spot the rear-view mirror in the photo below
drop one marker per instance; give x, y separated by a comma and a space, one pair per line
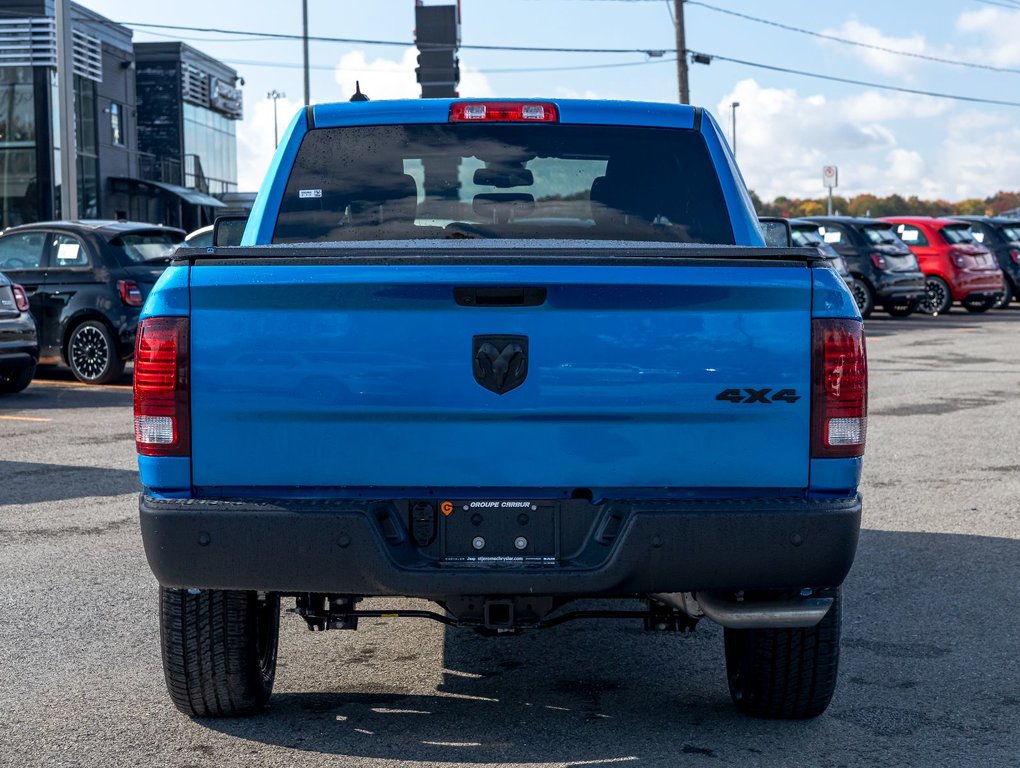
227, 230
777, 231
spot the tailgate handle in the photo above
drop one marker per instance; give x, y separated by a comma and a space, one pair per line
500, 296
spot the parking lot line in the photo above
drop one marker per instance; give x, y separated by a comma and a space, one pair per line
21, 418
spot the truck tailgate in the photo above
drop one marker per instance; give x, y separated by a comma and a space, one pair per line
319, 373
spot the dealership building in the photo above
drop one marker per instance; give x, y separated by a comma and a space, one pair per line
154, 122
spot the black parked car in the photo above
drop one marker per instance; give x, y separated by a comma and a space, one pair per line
887, 273
1002, 237
19, 346
805, 234
86, 282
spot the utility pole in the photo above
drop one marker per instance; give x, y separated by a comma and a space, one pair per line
65, 109
304, 42
681, 52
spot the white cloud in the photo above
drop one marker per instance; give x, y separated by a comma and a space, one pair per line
255, 140
1000, 33
785, 138
978, 168
880, 61
383, 78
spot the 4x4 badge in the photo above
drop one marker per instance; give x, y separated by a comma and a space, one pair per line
500, 363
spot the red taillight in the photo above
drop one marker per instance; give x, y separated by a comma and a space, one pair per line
879, 261
162, 400
839, 390
20, 298
503, 112
130, 293
1014, 253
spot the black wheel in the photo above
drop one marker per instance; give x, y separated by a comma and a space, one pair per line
219, 650
901, 310
787, 674
976, 306
92, 354
16, 380
939, 299
1002, 299
864, 296
1009, 294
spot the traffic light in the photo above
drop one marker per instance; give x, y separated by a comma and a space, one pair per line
437, 35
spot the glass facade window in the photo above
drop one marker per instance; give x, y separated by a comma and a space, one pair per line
116, 127
19, 197
88, 147
210, 150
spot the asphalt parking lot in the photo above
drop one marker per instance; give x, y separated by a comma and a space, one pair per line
929, 675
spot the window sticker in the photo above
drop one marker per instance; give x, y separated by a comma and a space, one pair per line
308, 193
909, 235
68, 252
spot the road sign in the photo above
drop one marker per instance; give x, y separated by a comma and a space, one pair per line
830, 176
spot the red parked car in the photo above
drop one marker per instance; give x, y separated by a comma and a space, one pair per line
956, 266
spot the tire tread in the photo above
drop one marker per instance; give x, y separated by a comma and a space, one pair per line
785, 674
210, 652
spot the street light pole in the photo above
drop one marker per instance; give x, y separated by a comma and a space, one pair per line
274, 95
733, 123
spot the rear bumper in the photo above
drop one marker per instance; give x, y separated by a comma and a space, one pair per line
362, 548
19, 346
976, 283
899, 286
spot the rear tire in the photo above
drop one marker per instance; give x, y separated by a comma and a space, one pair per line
977, 306
939, 299
787, 674
219, 650
1002, 300
92, 353
16, 380
864, 296
901, 310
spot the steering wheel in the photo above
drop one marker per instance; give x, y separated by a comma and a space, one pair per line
15, 263
463, 229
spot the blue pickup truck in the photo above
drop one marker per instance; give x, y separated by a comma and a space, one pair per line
503, 356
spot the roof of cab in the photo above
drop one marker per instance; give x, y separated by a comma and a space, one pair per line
576, 111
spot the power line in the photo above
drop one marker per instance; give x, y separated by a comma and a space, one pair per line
857, 43
1011, 6
394, 43
880, 86
484, 71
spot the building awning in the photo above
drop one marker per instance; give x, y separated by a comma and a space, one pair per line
192, 196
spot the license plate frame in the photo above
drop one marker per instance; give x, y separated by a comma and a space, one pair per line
493, 531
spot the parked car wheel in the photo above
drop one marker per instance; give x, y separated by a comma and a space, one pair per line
16, 380
864, 296
939, 299
977, 306
219, 649
1003, 299
92, 353
787, 674
901, 310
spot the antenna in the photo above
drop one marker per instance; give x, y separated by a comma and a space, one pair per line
358, 95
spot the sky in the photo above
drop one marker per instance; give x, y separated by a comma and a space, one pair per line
788, 125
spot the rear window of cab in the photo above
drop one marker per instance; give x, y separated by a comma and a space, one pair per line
453, 181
